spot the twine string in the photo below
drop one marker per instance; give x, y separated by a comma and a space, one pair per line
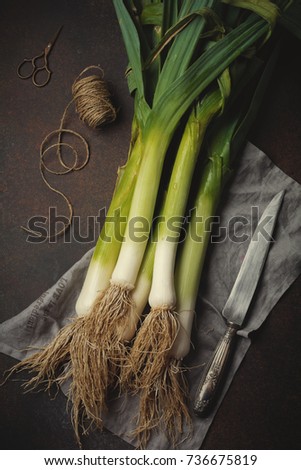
93, 106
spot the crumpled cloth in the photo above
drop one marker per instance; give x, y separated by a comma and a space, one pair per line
256, 181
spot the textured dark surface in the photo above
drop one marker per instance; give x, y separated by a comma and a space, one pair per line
262, 408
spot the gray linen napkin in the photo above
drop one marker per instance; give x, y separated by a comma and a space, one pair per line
256, 181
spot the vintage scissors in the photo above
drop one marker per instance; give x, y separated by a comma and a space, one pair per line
36, 69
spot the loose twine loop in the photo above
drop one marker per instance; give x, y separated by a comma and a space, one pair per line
93, 105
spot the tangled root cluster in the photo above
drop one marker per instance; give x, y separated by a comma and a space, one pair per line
158, 378
89, 351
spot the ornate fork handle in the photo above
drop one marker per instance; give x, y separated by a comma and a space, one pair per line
208, 388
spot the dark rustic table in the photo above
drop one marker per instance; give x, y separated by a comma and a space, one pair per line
262, 409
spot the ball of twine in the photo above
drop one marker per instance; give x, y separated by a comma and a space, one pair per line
92, 100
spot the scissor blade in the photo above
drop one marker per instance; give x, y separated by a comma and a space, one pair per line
51, 43
244, 287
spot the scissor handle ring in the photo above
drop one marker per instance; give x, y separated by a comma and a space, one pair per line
36, 72
22, 76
